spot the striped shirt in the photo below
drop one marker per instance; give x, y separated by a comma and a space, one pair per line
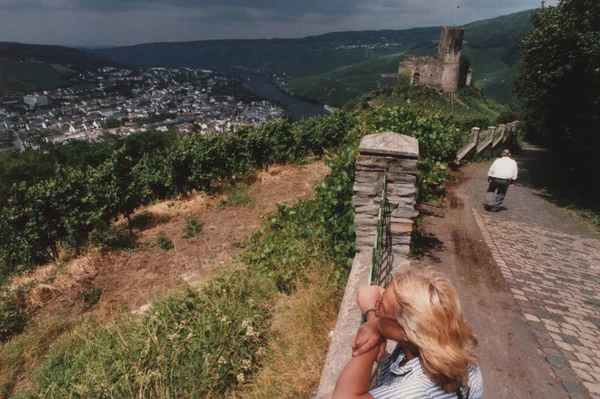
410, 381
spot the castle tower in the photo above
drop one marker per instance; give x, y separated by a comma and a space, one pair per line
441, 72
449, 53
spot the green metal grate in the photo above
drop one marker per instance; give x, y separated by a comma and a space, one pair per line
377, 248
379, 235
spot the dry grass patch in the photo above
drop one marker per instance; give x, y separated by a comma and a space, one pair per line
22, 355
299, 339
59, 280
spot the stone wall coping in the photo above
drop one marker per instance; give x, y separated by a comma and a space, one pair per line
348, 321
390, 143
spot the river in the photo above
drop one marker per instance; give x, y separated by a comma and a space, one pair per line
300, 109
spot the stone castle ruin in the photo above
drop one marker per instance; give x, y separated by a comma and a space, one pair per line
441, 72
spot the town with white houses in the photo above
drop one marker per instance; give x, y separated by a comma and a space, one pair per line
119, 101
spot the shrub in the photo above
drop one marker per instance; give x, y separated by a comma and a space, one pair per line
236, 195
466, 123
142, 220
430, 179
90, 296
404, 79
111, 237
13, 313
164, 242
309, 230
192, 227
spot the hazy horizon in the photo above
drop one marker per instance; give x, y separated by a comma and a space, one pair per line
110, 23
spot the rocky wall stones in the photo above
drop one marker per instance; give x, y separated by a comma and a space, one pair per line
396, 155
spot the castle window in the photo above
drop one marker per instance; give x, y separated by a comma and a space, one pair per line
416, 78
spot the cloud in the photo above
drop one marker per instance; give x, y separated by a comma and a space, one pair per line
120, 22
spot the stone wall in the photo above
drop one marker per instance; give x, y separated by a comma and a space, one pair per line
469, 77
397, 155
425, 71
449, 53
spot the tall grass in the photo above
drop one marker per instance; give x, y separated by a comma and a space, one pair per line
24, 353
299, 338
192, 344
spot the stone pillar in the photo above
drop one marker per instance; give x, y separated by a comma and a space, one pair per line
501, 132
515, 132
469, 77
397, 155
475, 132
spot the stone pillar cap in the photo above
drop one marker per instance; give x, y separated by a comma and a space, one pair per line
390, 143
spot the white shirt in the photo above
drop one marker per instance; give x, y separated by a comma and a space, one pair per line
503, 168
411, 382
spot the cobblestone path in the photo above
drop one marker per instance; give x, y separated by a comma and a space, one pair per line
551, 263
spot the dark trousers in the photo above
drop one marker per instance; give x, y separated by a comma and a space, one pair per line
496, 192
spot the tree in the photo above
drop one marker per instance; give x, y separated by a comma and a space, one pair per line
111, 123
76, 204
114, 187
559, 80
44, 219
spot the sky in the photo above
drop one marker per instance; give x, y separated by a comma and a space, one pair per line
127, 22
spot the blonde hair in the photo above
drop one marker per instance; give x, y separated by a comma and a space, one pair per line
432, 319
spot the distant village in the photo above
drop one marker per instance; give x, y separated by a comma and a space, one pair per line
120, 101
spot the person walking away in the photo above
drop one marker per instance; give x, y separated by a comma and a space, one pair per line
502, 173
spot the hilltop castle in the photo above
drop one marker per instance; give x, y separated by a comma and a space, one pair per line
441, 72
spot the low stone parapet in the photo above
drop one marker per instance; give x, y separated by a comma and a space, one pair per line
393, 156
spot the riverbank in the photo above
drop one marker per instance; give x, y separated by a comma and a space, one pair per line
300, 109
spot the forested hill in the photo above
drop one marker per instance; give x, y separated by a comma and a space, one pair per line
73, 58
29, 67
337, 67
298, 57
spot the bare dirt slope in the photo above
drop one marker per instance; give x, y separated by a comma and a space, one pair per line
511, 363
131, 280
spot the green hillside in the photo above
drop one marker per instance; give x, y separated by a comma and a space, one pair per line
342, 84
465, 109
31, 76
492, 46
26, 67
294, 57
